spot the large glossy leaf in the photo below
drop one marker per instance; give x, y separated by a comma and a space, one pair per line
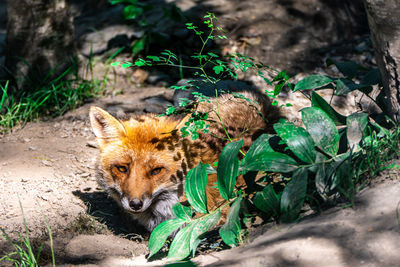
183, 212
312, 82
322, 129
230, 231
293, 195
372, 77
180, 246
195, 187
161, 233
228, 169
271, 161
298, 140
345, 86
319, 102
260, 145
356, 125
202, 226
267, 200
348, 68
328, 174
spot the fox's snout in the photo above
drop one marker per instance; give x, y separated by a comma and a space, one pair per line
136, 205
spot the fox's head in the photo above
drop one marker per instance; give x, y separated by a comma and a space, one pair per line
142, 160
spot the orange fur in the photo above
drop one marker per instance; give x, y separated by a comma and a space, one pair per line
144, 161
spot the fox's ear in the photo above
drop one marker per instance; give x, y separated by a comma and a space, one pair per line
104, 125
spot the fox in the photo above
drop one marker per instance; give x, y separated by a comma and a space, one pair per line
144, 159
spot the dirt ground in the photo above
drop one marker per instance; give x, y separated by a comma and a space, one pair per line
47, 168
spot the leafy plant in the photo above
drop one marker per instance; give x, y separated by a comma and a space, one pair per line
137, 11
314, 164
210, 69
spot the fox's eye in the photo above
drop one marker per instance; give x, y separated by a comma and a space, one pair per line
156, 171
121, 168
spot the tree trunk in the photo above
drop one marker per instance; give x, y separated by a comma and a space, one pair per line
40, 41
384, 23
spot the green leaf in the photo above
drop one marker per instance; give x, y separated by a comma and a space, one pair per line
298, 140
218, 69
212, 54
202, 226
322, 129
230, 231
138, 46
195, 187
260, 145
180, 246
319, 102
181, 264
326, 178
114, 64
270, 161
278, 88
182, 212
131, 12
372, 77
228, 169
348, 68
267, 201
345, 86
126, 65
356, 126
312, 82
293, 195
161, 233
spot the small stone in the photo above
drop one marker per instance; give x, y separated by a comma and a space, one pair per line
156, 105
32, 148
46, 163
92, 144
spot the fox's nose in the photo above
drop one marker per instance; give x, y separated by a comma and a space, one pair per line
136, 204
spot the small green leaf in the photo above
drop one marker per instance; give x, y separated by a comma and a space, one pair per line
212, 54
322, 129
218, 69
230, 231
312, 82
126, 65
161, 233
228, 169
195, 187
182, 212
131, 12
298, 140
202, 226
319, 102
267, 200
270, 161
278, 88
114, 64
138, 46
293, 195
356, 126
